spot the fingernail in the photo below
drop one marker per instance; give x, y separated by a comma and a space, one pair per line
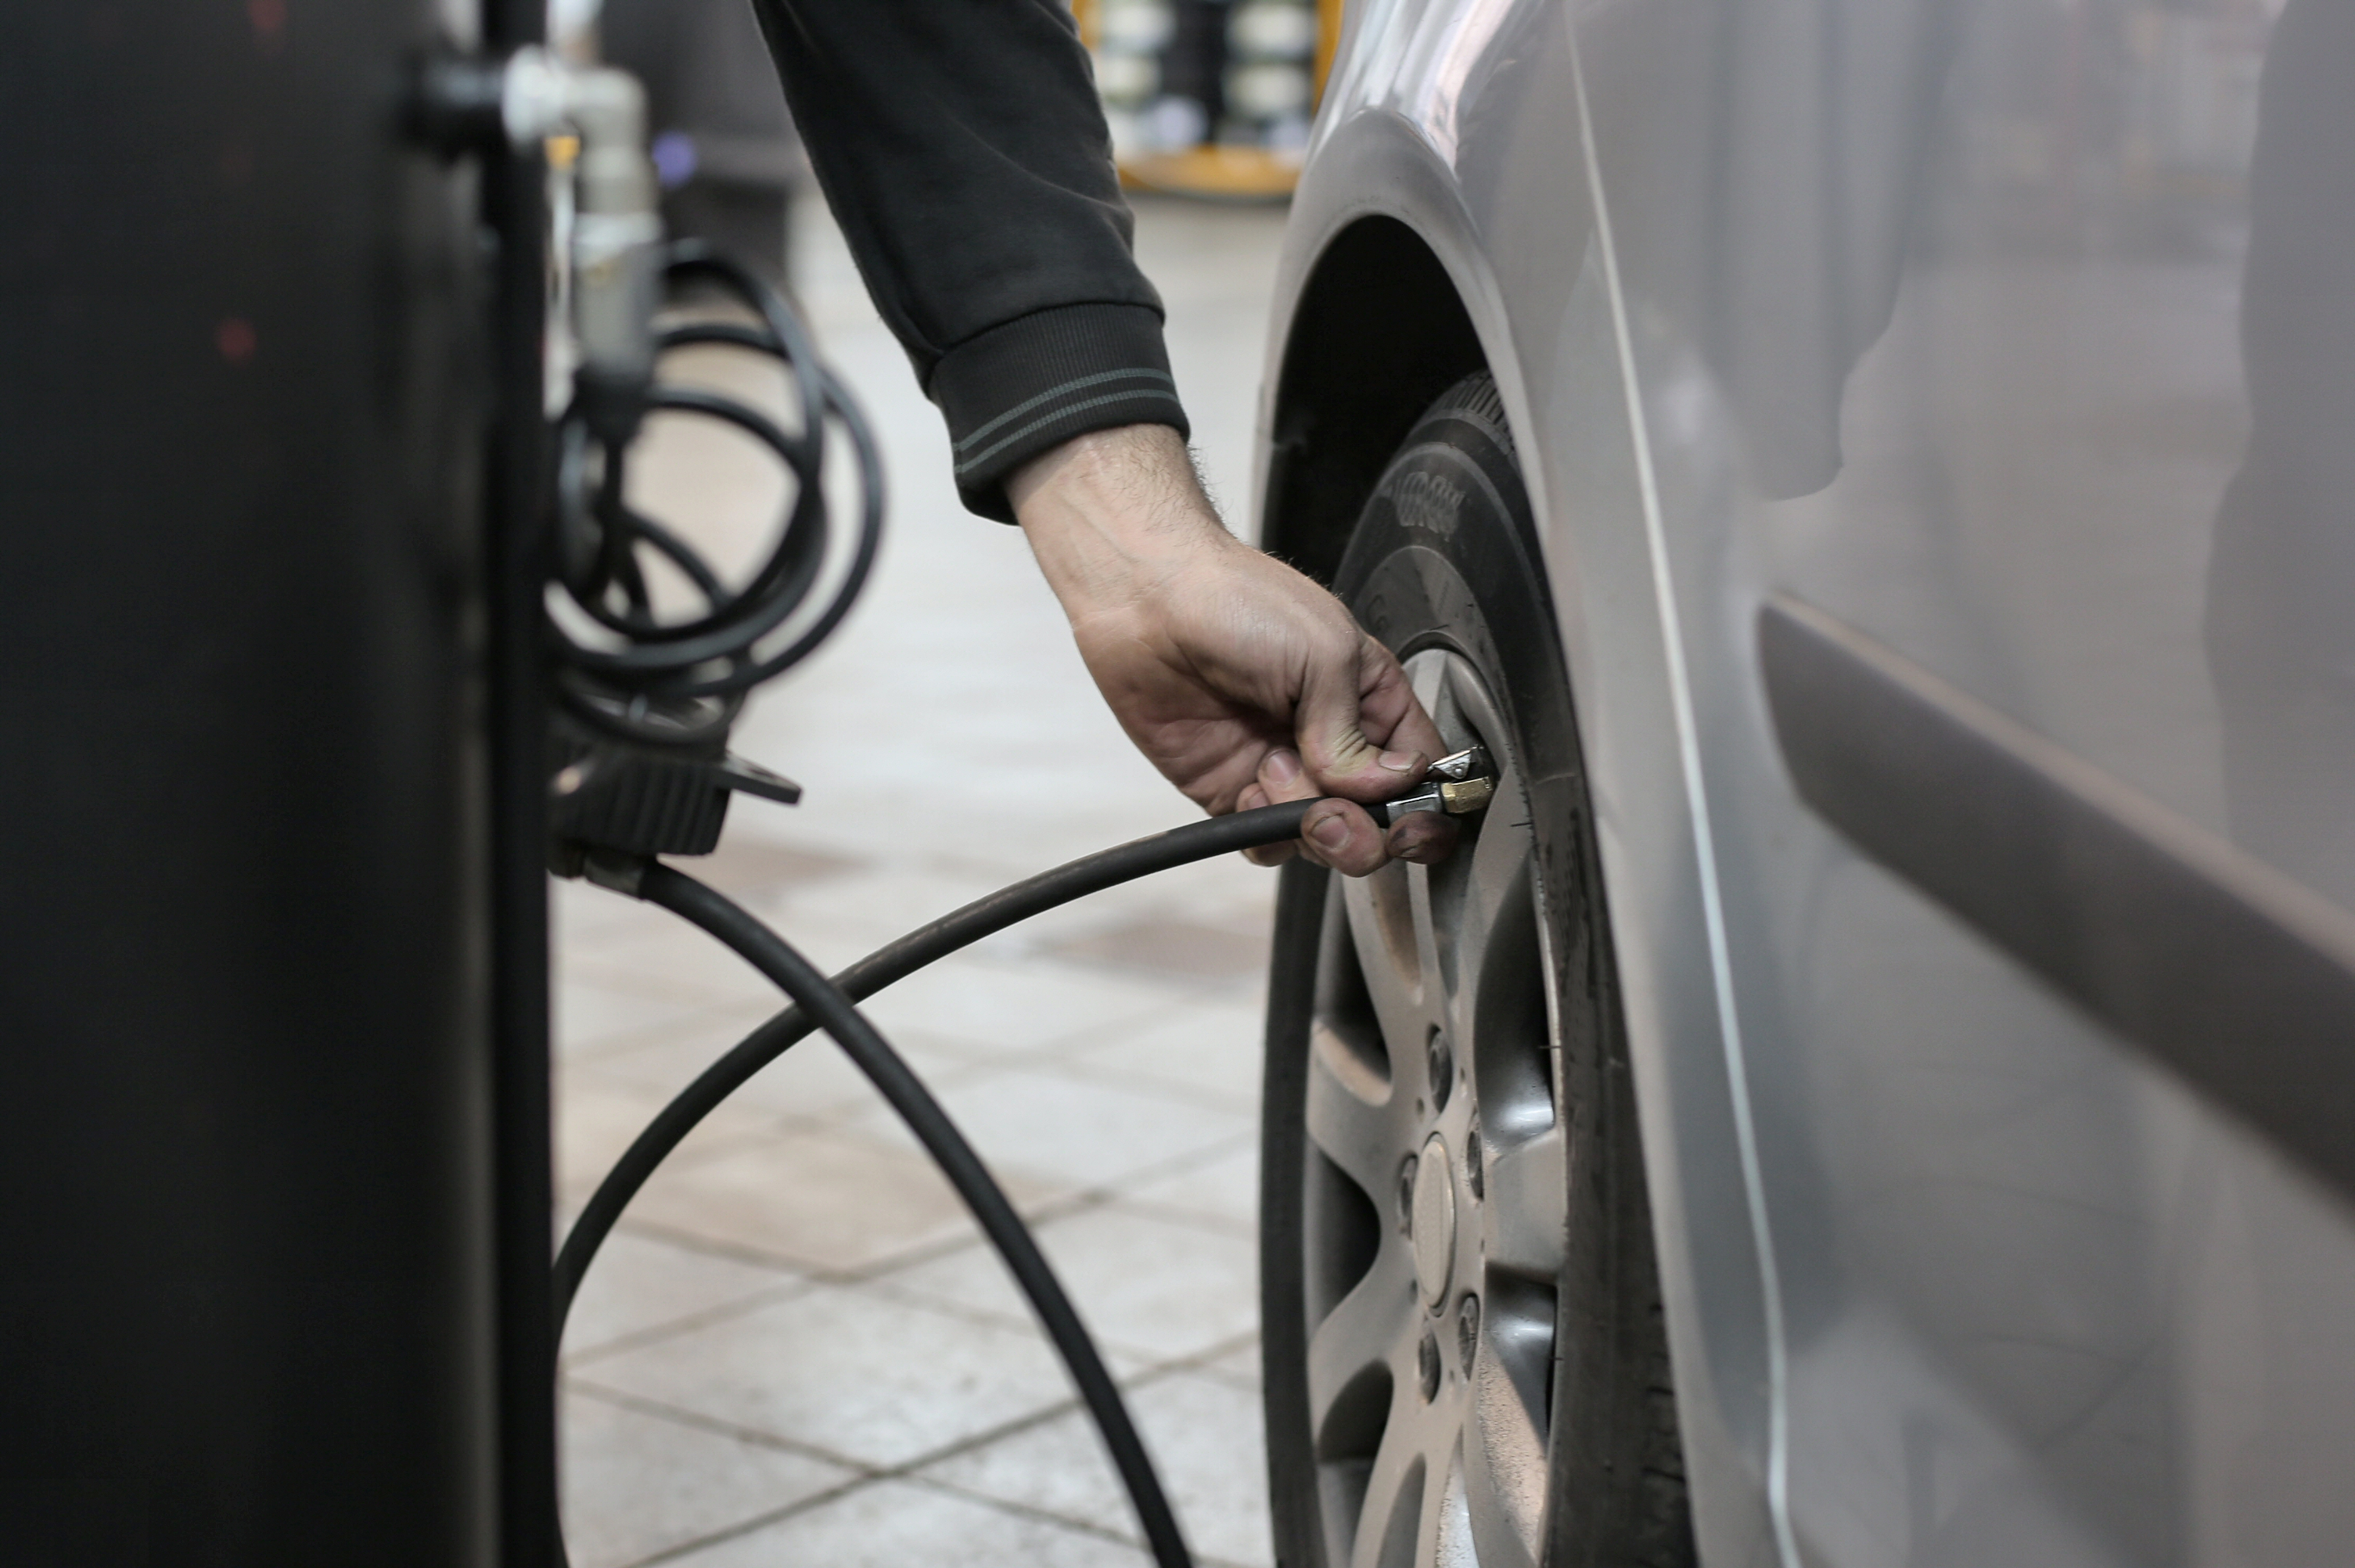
1282, 767
1400, 762
1329, 830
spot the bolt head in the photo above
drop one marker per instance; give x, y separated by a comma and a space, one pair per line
1427, 1364
1475, 1172
1468, 1331
1441, 1061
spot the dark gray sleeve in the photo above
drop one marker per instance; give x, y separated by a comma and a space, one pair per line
963, 149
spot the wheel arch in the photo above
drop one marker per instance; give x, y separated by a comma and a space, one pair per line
1378, 330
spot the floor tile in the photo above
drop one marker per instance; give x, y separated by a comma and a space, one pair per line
1041, 1121
1171, 947
1013, 1008
1240, 1366
638, 1284
579, 910
591, 1018
1206, 1441
682, 963
813, 1078
1216, 1049
597, 1117
894, 1524
636, 1484
1154, 1288
751, 866
884, 902
868, 1377
1222, 1190
831, 1200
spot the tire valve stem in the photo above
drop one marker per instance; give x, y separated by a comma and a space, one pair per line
1459, 784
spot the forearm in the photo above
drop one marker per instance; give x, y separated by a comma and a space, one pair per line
962, 148
1114, 515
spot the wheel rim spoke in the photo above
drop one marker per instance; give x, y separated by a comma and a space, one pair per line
1522, 1217
1452, 1541
1354, 1118
1371, 1328
1504, 1462
1392, 1517
1389, 924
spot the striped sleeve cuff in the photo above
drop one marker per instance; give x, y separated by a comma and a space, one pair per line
1037, 381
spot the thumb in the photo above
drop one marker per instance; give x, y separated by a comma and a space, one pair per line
1340, 703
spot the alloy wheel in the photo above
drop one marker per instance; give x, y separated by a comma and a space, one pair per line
1437, 1204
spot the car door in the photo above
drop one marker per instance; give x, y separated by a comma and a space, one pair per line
1994, 366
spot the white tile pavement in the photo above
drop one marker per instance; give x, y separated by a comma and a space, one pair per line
795, 1351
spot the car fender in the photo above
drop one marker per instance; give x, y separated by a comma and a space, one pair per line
1454, 122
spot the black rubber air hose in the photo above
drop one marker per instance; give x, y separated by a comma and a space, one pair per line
824, 1002
983, 917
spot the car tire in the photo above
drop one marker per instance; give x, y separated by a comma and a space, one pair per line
1466, 1358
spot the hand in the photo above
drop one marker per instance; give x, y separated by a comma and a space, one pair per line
1245, 683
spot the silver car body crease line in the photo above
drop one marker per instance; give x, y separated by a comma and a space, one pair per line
1704, 844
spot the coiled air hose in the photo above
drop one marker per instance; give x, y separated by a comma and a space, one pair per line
678, 683
655, 699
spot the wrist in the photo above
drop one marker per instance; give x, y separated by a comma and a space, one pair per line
1113, 514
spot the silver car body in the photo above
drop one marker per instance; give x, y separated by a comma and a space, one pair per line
2015, 342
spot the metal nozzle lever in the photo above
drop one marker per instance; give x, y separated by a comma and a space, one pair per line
1459, 784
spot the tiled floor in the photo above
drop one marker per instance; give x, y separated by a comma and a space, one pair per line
795, 1351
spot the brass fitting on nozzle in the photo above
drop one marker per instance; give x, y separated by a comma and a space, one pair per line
1458, 785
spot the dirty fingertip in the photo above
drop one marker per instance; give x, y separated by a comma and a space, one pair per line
1424, 837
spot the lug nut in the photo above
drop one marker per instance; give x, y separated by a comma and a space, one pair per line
1476, 1173
1442, 1062
1427, 1363
1467, 1330
1406, 1195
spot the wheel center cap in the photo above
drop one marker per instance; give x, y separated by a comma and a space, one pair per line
1434, 1220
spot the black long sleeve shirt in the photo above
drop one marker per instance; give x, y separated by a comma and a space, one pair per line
963, 149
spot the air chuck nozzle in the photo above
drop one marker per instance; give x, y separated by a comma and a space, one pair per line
1458, 785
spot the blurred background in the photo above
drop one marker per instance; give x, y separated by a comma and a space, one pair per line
1203, 97
796, 1348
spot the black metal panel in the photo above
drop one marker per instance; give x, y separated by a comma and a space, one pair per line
2218, 965
245, 1099
514, 206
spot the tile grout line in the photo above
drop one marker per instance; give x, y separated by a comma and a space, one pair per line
1044, 1211
867, 1474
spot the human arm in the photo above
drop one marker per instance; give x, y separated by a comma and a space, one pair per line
962, 149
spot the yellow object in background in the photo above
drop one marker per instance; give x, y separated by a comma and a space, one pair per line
1211, 97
